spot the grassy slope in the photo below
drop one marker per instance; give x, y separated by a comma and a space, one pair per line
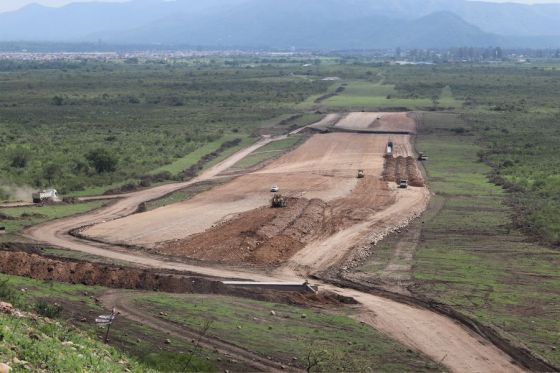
144, 347
190, 159
341, 343
184, 194
54, 345
290, 334
46, 345
471, 258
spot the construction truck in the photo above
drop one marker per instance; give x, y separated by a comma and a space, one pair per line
278, 201
403, 183
47, 195
360, 174
389, 152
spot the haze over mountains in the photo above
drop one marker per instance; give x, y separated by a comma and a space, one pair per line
315, 24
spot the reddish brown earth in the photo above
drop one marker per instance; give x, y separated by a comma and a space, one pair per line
382, 122
402, 168
324, 167
270, 236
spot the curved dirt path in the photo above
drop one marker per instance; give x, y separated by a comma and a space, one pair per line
436, 336
121, 300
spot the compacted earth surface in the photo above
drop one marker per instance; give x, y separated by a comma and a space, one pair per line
233, 223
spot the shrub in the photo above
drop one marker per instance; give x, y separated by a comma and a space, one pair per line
102, 160
8, 293
50, 310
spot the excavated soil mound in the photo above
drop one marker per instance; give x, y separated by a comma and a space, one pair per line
402, 168
267, 236
260, 236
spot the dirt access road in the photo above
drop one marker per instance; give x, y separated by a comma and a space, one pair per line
324, 167
438, 337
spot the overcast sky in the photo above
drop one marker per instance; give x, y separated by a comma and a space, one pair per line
6, 5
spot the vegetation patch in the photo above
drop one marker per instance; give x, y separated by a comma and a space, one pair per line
184, 194
267, 152
84, 126
471, 256
290, 334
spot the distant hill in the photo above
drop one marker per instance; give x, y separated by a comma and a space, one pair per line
318, 24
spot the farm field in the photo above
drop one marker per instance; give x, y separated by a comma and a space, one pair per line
379, 96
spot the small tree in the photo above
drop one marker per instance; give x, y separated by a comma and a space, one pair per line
102, 160
19, 157
51, 172
58, 100
435, 100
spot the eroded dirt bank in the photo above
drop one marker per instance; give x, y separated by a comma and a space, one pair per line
32, 264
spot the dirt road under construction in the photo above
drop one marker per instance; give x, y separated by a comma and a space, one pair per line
330, 212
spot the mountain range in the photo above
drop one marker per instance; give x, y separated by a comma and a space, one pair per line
302, 24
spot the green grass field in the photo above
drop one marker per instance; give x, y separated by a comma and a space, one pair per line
339, 342
268, 152
291, 334
375, 96
471, 257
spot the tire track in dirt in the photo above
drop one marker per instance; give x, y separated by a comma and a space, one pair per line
122, 301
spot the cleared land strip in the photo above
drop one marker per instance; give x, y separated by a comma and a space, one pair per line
438, 337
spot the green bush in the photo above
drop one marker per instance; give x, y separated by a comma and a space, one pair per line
8, 293
50, 310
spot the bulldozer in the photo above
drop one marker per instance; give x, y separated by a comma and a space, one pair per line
422, 157
360, 174
278, 201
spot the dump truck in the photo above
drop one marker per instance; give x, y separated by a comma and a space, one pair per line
360, 174
389, 151
403, 183
47, 195
278, 201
